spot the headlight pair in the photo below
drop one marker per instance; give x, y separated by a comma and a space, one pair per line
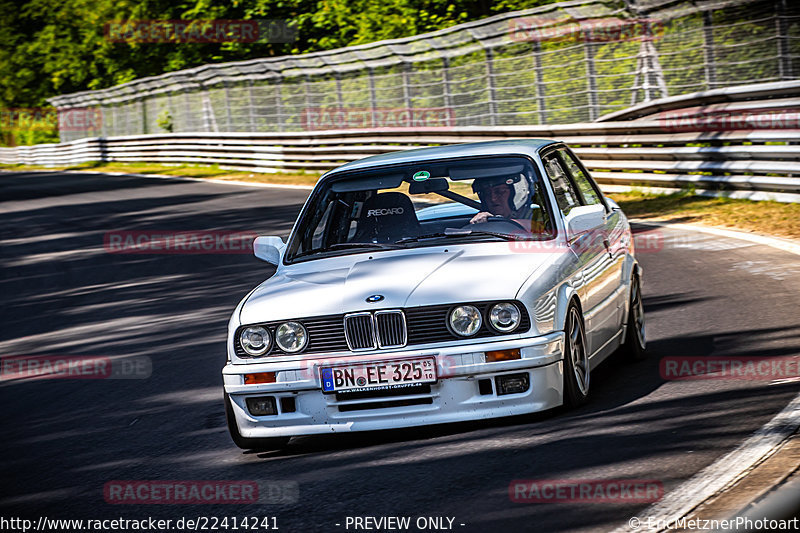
291, 337
466, 320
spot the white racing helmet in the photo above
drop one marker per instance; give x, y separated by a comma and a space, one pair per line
520, 190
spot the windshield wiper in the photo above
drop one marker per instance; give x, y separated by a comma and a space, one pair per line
347, 246
377, 245
467, 232
422, 237
453, 232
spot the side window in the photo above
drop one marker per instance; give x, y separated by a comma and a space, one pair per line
589, 193
566, 197
319, 232
326, 223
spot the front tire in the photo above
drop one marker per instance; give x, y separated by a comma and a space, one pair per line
635, 341
576, 360
247, 443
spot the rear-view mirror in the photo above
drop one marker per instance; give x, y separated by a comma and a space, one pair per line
428, 186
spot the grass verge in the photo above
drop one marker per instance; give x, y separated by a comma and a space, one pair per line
768, 218
188, 171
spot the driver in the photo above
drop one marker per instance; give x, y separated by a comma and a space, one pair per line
507, 197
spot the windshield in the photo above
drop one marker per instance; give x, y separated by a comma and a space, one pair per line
482, 200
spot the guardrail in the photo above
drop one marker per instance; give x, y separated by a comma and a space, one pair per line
755, 164
752, 97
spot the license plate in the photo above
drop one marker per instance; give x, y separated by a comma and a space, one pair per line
378, 376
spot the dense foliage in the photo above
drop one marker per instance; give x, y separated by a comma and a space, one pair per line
49, 48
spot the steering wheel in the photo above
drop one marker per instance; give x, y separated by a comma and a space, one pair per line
500, 218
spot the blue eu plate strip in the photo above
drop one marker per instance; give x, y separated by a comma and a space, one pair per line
327, 380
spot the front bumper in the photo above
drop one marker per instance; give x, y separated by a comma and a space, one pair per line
456, 396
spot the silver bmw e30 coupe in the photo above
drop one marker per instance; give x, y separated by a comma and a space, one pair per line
434, 285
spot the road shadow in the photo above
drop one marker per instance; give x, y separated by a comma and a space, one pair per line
63, 440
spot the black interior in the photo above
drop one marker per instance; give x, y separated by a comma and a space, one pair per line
387, 217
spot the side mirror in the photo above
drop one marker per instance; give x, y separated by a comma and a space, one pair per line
269, 249
613, 205
584, 218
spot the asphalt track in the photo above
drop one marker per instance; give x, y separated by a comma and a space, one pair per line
63, 440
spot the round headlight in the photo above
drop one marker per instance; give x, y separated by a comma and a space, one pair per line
465, 320
504, 317
291, 337
255, 340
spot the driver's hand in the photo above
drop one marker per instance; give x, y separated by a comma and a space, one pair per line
483, 216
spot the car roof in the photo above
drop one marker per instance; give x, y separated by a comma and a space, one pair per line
527, 147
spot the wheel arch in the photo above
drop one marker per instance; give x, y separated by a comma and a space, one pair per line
635, 270
566, 295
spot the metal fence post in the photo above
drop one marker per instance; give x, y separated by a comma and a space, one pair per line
306, 94
339, 98
169, 109
490, 85
782, 30
372, 99
143, 110
252, 105
227, 106
104, 115
591, 79
187, 102
279, 103
128, 112
540, 88
446, 83
406, 88
708, 50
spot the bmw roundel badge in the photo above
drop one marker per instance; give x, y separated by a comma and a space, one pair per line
374, 298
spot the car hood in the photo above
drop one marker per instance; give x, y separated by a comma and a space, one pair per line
405, 278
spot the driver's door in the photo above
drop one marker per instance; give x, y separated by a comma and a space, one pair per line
597, 267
